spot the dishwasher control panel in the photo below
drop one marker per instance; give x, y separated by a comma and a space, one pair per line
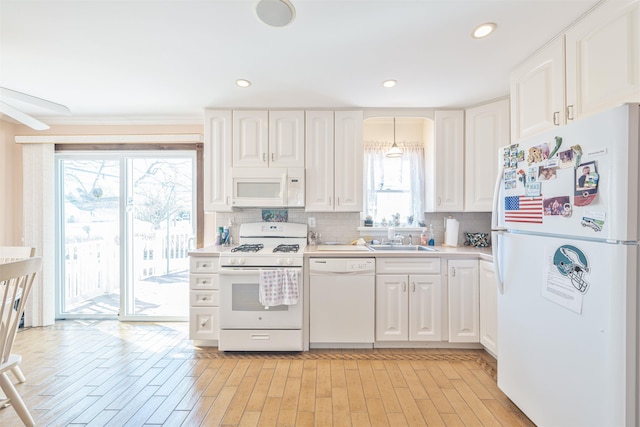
342, 265
360, 265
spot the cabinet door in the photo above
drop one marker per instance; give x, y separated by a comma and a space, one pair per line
464, 304
348, 161
319, 151
603, 59
250, 139
486, 130
217, 158
488, 307
445, 187
392, 308
537, 92
425, 302
286, 139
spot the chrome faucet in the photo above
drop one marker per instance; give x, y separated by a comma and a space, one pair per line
398, 237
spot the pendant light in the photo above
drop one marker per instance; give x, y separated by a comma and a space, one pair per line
395, 150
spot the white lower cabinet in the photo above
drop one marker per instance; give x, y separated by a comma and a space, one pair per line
488, 307
408, 306
464, 301
204, 300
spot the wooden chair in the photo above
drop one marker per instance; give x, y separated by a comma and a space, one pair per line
9, 254
14, 253
16, 281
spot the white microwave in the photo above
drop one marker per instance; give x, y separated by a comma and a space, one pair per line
268, 187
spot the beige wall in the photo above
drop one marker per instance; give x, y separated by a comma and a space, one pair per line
10, 186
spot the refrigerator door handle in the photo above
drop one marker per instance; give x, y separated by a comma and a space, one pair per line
496, 230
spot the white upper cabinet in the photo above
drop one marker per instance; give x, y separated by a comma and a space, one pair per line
217, 158
445, 164
603, 59
334, 161
601, 52
349, 161
268, 139
286, 139
487, 129
537, 92
319, 161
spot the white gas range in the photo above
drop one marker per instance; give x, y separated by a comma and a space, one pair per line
245, 323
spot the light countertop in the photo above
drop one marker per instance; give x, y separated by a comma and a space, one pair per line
348, 252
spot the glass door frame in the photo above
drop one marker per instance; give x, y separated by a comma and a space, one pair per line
122, 154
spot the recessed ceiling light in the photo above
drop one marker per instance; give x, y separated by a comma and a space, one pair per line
243, 83
483, 30
275, 13
389, 83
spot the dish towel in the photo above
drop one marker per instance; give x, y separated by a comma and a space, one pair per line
278, 287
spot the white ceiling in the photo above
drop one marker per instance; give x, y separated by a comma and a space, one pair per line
149, 60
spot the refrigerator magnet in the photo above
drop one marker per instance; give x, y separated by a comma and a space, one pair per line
572, 263
566, 159
532, 189
577, 155
593, 220
555, 206
555, 149
586, 182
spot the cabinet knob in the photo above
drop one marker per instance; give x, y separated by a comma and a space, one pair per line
453, 272
413, 286
404, 287
556, 118
264, 157
439, 200
273, 157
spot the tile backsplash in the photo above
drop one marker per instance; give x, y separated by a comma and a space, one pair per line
343, 226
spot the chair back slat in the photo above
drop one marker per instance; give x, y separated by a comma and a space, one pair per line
14, 253
16, 281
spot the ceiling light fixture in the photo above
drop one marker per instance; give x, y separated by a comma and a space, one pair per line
395, 151
389, 83
483, 30
275, 13
243, 83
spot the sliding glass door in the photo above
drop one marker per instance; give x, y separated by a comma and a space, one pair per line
126, 221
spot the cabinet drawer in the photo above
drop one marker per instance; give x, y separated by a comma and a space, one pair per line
408, 265
199, 264
203, 323
204, 298
204, 281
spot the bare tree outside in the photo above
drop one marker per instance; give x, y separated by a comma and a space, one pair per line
158, 203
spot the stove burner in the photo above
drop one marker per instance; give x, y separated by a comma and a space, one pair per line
248, 248
287, 248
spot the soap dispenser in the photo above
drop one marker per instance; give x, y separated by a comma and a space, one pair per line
423, 238
431, 239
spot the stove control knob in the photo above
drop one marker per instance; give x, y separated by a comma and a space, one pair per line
232, 261
241, 261
280, 261
289, 261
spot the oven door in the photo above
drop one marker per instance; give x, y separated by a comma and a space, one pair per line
240, 307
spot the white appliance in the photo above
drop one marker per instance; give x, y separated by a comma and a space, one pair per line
268, 187
567, 272
246, 324
342, 301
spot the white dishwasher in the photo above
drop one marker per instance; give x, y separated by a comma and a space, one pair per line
342, 300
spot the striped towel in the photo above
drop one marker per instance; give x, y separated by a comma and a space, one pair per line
278, 287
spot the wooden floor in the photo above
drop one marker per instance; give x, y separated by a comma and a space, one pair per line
105, 373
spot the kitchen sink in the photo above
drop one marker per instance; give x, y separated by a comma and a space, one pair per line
383, 248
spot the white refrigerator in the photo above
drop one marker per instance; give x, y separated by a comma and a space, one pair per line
565, 242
